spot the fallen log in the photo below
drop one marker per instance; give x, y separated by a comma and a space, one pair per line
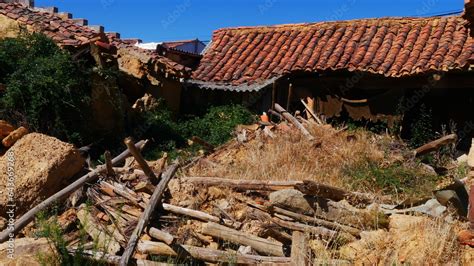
155, 199
27, 217
436, 144
294, 121
257, 243
242, 185
324, 233
313, 220
167, 238
191, 213
333, 193
207, 254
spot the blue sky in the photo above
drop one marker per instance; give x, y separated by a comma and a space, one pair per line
160, 20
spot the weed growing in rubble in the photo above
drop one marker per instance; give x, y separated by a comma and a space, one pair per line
392, 179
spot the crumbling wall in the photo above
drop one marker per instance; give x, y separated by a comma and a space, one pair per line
9, 28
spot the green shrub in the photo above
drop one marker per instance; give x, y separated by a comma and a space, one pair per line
421, 127
392, 179
217, 124
46, 89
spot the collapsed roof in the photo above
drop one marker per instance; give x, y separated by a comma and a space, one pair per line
67, 32
249, 58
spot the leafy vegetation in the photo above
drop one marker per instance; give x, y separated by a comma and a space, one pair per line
47, 91
392, 179
215, 126
421, 127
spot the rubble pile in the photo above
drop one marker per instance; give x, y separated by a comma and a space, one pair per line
141, 212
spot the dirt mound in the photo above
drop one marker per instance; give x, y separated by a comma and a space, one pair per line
36, 167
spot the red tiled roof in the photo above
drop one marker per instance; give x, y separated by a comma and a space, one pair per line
392, 47
63, 31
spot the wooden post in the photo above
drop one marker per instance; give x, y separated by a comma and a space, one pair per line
290, 94
27, 217
294, 121
140, 160
108, 163
299, 249
154, 200
274, 88
471, 207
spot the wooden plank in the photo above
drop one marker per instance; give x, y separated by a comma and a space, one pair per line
259, 244
154, 201
299, 248
242, 185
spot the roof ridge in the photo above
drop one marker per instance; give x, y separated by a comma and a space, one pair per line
332, 22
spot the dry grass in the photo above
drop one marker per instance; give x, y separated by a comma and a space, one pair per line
353, 160
359, 161
410, 240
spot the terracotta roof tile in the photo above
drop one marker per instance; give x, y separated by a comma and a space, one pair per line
63, 31
388, 46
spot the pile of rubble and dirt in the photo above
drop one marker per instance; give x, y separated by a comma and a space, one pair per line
141, 212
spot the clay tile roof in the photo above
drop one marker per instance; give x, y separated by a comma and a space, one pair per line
247, 56
63, 31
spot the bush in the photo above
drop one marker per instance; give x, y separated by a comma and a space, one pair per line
217, 124
46, 89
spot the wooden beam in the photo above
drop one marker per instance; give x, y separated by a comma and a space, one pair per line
140, 160
259, 244
325, 191
154, 201
290, 95
294, 121
299, 249
242, 185
313, 220
436, 144
161, 235
311, 112
207, 254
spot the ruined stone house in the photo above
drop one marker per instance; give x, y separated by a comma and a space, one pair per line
141, 71
368, 69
